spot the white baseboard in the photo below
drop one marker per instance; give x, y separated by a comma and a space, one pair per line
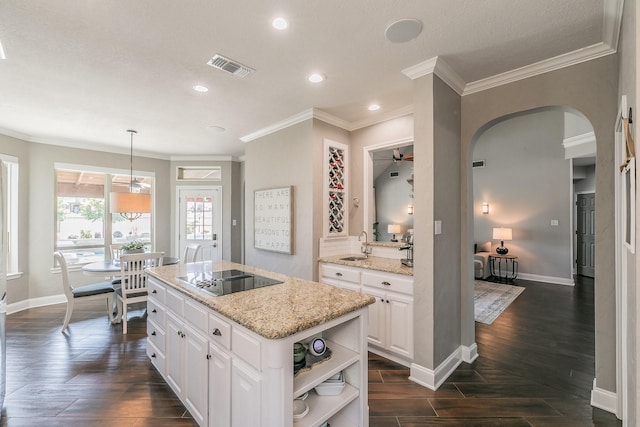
604, 399
390, 356
470, 353
546, 279
35, 302
432, 379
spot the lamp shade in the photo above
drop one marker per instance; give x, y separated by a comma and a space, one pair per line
130, 203
394, 229
502, 233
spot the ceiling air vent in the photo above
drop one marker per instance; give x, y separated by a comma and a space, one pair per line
394, 174
230, 66
478, 163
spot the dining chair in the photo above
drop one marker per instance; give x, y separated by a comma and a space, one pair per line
116, 251
94, 291
191, 252
133, 288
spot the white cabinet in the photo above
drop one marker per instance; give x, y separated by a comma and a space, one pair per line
390, 328
219, 386
187, 365
245, 396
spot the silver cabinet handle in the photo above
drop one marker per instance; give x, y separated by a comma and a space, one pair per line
386, 283
154, 291
153, 333
339, 274
217, 332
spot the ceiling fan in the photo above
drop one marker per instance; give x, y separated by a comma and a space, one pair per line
137, 184
397, 156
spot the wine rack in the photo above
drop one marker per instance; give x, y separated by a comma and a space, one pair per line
336, 188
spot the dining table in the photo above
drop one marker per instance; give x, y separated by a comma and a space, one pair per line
111, 268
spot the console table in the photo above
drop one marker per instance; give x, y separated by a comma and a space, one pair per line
507, 266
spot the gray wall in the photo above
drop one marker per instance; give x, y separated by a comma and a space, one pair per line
230, 183
392, 197
591, 89
281, 159
628, 85
37, 210
437, 290
586, 184
527, 183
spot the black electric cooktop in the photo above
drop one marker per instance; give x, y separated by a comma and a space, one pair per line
227, 281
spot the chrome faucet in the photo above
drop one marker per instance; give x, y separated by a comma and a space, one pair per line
365, 247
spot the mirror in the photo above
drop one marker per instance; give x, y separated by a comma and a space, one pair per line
390, 193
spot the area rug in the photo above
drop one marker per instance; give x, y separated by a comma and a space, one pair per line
491, 299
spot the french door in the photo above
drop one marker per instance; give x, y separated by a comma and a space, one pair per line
200, 221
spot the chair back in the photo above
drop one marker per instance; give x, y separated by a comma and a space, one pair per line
64, 272
191, 252
132, 271
116, 250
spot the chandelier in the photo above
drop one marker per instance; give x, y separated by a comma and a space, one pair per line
133, 204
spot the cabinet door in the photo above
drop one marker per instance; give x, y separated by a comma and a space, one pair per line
400, 318
196, 348
173, 353
219, 386
245, 396
377, 317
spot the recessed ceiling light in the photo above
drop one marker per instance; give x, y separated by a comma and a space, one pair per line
280, 23
2, 55
316, 78
200, 88
373, 107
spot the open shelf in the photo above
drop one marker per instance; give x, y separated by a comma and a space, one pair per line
321, 408
341, 358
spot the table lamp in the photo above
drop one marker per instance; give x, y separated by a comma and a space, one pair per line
394, 229
502, 234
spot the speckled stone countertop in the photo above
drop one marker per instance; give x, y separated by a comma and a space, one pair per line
388, 265
275, 311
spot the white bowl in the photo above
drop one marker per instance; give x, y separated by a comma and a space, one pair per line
330, 388
300, 408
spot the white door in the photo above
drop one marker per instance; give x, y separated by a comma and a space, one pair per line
200, 219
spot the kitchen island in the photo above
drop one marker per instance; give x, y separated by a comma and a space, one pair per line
229, 358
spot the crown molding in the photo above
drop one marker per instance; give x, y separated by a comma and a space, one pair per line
574, 141
282, 124
578, 56
331, 119
382, 117
15, 134
440, 68
196, 158
611, 22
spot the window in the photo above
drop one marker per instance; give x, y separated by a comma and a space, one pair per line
199, 173
11, 212
85, 228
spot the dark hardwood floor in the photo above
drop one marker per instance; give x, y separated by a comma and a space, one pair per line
535, 368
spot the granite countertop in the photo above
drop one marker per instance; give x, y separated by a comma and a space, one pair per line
275, 311
388, 265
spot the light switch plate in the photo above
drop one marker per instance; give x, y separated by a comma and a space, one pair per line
437, 227
554, 222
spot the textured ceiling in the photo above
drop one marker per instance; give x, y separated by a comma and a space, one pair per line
83, 72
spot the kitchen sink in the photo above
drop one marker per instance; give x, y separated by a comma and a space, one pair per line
354, 258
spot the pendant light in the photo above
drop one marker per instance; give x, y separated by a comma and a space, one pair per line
130, 205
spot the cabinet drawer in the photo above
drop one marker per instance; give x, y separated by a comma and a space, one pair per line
155, 290
340, 273
155, 334
390, 282
196, 315
247, 347
156, 356
175, 302
219, 331
156, 312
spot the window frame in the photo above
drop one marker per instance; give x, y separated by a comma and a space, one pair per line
12, 218
109, 173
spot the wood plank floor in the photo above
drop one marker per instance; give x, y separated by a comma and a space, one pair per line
535, 369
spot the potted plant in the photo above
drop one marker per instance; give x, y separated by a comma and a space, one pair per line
133, 247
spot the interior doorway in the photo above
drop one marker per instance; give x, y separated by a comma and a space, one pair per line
586, 234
